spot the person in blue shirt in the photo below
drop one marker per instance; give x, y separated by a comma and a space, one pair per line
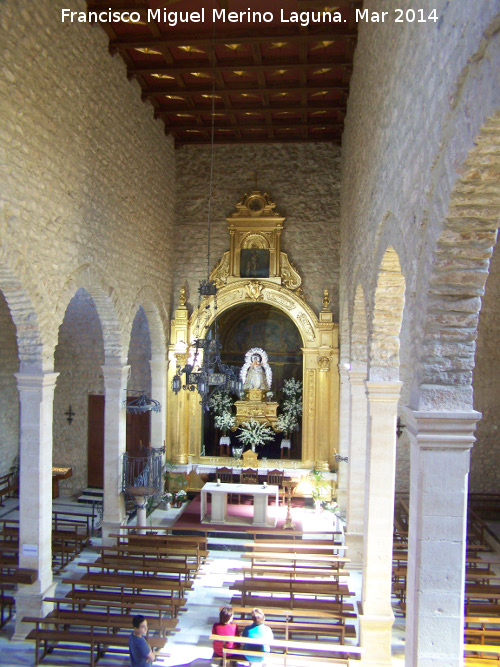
141, 654
257, 630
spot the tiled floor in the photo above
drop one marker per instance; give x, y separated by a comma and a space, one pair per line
189, 646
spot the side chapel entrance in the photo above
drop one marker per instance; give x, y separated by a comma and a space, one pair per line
255, 280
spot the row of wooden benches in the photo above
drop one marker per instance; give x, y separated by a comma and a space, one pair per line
142, 574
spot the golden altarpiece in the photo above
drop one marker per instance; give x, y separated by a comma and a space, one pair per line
254, 269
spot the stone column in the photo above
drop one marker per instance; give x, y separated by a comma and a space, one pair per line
344, 437
36, 396
115, 384
159, 392
376, 617
440, 453
356, 466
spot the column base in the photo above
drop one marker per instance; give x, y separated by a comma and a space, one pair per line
109, 528
376, 639
31, 604
355, 551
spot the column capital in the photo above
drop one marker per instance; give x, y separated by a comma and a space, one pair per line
357, 377
441, 430
32, 382
158, 364
383, 392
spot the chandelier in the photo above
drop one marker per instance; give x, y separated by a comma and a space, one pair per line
140, 402
204, 371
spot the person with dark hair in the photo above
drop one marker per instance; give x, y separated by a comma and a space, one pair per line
257, 630
141, 654
225, 627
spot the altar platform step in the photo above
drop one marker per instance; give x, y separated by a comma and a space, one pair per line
91, 495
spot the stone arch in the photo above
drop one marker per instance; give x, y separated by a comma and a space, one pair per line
458, 271
359, 332
387, 318
244, 292
319, 339
156, 316
29, 338
106, 302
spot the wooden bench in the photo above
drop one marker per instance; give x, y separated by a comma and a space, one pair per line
127, 600
107, 618
130, 582
144, 564
293, 587
296, 653
282, 546
482, 628
7, 603
9, 484
310, 623
294, 603
474, 654
162, 549
94, 638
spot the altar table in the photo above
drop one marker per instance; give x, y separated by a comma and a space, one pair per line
220, 493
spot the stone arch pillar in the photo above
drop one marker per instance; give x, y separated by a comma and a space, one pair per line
320, 369
383, 389
358, 411
36, 384
441, 420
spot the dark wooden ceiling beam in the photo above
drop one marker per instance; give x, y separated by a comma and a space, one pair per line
327, 138
282, 125
289, 88
204, 68
162, 111
207, 43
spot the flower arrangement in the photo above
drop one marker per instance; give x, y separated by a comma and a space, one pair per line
287, 423
288, 420
332, 507
167, 497
255, 433
225, 421
220, 402
292, 402
179, 497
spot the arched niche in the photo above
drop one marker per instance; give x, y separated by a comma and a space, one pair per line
260, 325
319, 338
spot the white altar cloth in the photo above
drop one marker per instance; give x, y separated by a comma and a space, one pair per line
220, 493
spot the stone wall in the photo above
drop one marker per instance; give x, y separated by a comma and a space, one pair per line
78, 359
303, 180
485, 471
86, 199
139, 354
419, 95
9, 397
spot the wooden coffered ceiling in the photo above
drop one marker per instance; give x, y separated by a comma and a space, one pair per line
273, 81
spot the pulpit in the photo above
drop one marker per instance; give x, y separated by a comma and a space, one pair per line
59, 473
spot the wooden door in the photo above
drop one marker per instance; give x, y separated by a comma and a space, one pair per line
95, 442
138, 431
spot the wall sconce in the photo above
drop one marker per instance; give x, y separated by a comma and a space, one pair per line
399, 427
341, 459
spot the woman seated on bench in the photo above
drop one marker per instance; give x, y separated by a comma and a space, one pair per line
226, 627
257, 630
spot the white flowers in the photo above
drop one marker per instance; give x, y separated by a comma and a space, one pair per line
255, 434
288, 421
224, 421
